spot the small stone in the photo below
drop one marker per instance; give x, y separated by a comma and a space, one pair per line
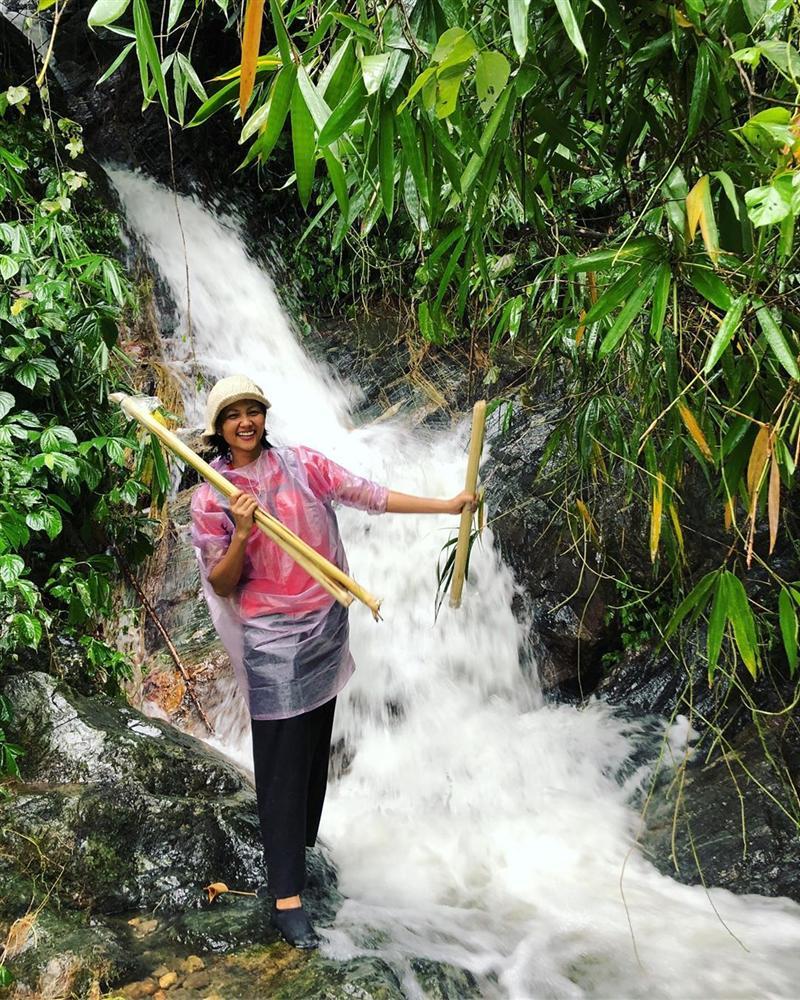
139, 990
160, 970
168, 980
161, 995
193, 964
197, 980
146, 927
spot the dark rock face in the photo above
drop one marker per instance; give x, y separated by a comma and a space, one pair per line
735, 820
134, 812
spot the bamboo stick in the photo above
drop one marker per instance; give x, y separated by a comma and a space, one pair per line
471, 483
335, 581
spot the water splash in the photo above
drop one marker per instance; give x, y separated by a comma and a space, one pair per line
475, 824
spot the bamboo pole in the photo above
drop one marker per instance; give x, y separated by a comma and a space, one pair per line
335, 581
470, 485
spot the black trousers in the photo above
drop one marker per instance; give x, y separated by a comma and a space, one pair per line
290, 760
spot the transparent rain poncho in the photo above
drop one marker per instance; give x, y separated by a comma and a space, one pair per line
287, 639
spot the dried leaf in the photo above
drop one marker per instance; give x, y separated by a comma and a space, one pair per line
774, 500
655, 517
591, 277
251, 40
587, 519
758, 461
19, 935
694, 429
215, 889
730, 508
676, 527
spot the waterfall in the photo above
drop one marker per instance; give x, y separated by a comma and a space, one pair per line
476, 824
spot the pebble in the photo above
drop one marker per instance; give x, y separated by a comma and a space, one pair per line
197, 980
168, 980
141, 989
193, 964
160, 971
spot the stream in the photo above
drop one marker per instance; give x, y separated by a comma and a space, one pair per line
476, 824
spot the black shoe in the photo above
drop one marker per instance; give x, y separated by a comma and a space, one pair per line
294, 927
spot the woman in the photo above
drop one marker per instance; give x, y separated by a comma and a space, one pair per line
287, 638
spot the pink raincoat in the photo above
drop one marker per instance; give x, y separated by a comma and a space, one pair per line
286, 637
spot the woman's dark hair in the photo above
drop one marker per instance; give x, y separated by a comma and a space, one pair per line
220, 445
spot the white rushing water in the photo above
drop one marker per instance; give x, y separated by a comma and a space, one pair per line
477, 825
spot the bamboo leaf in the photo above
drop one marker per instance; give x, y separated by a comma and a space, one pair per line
660, 298
776, 340
694, 600
697, 103
773, 500
147, 53
105, 12
787, 616
677, 530
281, 35
386, 159
279, 102
731, 322
251, 41
217, 100
345, 114
759, 456
699, 209
696, 432
112, 69
338, 180
570, 23
656, 513
641, 249
627, 315
373, 69
710, 286
741, 617
716, 626
614, 296
303, 146
518, 17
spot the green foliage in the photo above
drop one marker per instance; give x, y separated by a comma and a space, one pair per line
69, 485
542, 171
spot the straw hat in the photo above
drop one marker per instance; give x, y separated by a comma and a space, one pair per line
226, 391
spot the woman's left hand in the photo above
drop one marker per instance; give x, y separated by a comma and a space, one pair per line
464, 499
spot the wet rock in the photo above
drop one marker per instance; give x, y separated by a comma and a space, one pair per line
136, 813
444, 982
734, 822
64, 954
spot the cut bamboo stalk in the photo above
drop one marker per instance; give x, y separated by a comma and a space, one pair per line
334, 580
470, 485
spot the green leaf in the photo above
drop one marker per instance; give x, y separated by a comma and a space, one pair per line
518, 16
771, 203
373, 69
788, 622
357, 28
338, 180
7, 401
303, 146
491, 76
386, 159
11, 568
567, 16
716, 627
731, 322
147, 52
710, 286
345, 114
425, 77
224, 95
641, 249
105, 12
495, 118
728, 188
627, 315
614, 296
112, 69
697, 103
281, 36
660, 299
280, 98
694, 600
175, 8
776, 340
8, 267
317, 108
741, 617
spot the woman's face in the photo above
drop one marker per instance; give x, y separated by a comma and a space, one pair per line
242, 427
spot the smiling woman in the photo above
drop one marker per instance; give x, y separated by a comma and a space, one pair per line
287, 639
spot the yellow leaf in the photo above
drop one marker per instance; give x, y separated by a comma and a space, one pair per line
774, 500
676, 527
682, 20
655, 516
591, 277
694, 429
263, 62
581, 328
599, 461
757, 463
699, 209
251, 39
730, 509
215, 889
587, 519
18, 305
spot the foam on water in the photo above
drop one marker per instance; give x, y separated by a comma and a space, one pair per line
476, 824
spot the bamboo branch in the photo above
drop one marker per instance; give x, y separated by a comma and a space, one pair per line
334, 580
471, 483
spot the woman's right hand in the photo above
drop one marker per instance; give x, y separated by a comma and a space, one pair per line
243, 507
